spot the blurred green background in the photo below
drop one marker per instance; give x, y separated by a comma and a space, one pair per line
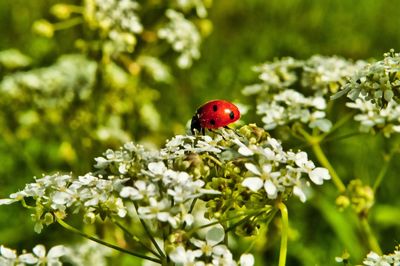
244, 33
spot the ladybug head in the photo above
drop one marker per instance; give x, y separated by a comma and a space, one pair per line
195, 124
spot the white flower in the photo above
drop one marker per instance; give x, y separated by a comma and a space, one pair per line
183, 36
156, 209
181, 256
243, 149
140, 191
374, 259
53, 256
319, 174
264, 178
8, 253
246, 260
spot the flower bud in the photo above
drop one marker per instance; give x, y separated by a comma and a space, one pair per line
43, 28
61, 11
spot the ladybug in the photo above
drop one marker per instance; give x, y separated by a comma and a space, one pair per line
214, 114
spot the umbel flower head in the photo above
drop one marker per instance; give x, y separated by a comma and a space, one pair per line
377, 82
374, 91
373, 259
245, 172
297, 91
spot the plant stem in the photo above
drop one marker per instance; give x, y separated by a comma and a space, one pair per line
135, 238
77, 231
385, 167
316, 147
325, 163
285, 229
150, 235
372, 241
68, 23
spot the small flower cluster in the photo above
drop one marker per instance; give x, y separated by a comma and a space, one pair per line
210, 250
184, 37
9, 257
278, 172
71, 78
371, 118
119, 21
374, 259
328, 74
297, 91
374, 91
378, 82
57, 194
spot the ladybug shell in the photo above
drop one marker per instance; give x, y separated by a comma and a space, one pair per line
217, 113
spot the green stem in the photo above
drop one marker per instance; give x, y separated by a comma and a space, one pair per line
68, 23
345, 136
315, 144
339, 123
372, 241
147, 230
325, 163
77, 231
249, 213
285, 229
135, 238
245, 219
385, 167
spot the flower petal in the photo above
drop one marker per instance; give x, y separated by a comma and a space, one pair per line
215, 235
299, 193
318, 175
246, 260
271, 189
57, 251
7, 253
40, 251
253, 183
252, 168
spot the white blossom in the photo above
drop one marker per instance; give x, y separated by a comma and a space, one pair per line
184, 37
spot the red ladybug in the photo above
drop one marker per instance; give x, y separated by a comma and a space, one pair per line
214, 114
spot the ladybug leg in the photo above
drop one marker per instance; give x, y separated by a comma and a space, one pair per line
234, 131
217, 133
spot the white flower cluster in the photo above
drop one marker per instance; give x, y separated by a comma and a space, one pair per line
62, 193
374, 91
9, 257
327, 74
71, 78
87, 253
184, 37
290, 105
181, 145
174, 206
218, 254
371, 118
378, 82
119, 20
297, 91
276, 172
374, 259
162, 188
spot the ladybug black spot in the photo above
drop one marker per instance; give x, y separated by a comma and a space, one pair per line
231, 115
215, 107
212, 122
